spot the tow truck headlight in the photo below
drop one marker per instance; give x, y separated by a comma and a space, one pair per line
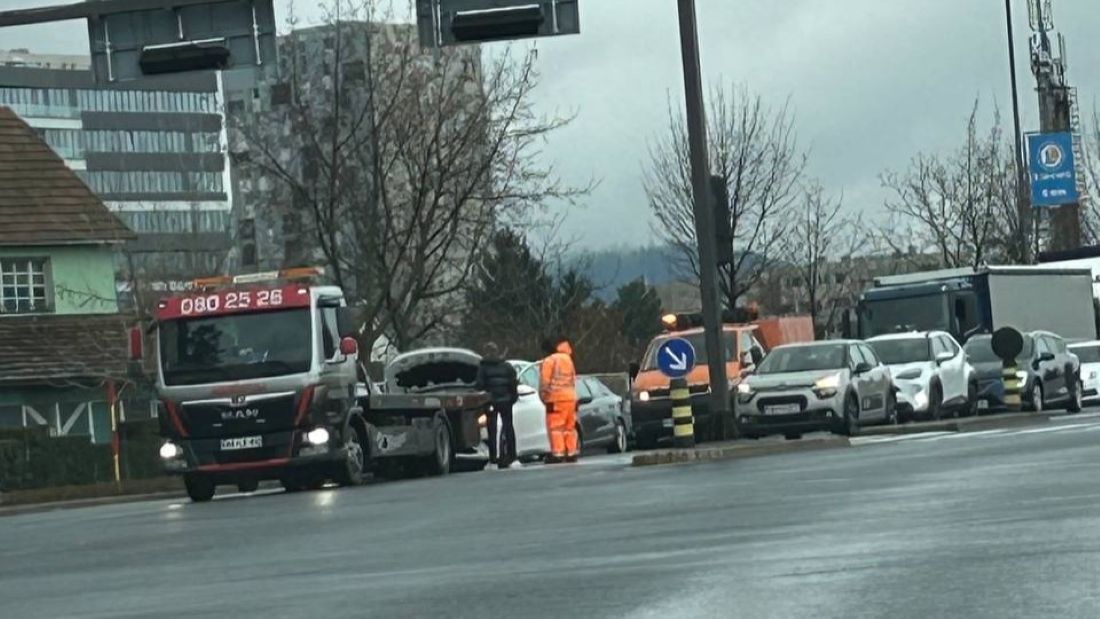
643, 396
483, 421
317, 436
744, 388
170, 451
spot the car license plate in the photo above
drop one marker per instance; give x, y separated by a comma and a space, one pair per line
783, 409
666, 423
983, 404
243, 442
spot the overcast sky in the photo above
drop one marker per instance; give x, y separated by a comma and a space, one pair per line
872, 82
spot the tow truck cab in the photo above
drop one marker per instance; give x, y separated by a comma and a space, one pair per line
256, 377
745, 338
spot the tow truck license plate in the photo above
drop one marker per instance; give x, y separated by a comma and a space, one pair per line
243, 442
783, 409
983, 404
667, 422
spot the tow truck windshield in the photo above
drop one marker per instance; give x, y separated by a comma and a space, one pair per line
235, 347
698, 342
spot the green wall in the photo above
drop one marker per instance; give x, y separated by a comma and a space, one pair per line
82, 276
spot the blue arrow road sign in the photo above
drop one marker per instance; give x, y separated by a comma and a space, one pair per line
1052, 169
676, 357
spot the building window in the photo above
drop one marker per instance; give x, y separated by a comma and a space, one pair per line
23, 287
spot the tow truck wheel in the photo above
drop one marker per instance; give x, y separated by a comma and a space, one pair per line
439, 463
350, 471
199, 487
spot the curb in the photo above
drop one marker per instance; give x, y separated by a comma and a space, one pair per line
32, 508
734, 452
966, 424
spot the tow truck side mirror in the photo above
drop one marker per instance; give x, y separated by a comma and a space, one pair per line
348, 346
349, 320
137, 344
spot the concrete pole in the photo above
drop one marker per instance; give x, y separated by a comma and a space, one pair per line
720, 408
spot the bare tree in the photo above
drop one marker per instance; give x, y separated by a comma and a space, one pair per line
822, 233
398, 163
961, 205
754, 150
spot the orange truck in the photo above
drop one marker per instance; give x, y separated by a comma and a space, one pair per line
745, 344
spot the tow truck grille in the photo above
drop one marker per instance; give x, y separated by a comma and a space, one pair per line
222, 418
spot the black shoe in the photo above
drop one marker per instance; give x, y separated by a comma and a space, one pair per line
571, 459
552, 460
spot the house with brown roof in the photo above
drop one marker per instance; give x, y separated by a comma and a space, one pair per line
62, 338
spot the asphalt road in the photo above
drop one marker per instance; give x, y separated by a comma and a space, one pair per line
1000, 523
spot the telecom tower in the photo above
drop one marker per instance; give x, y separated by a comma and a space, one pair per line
1058, 228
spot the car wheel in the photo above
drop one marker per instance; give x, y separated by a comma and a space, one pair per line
200, 488
935, 403
1076, 399
439, 463
891, 409
972, 400
350, 471
618, 446
1037, 397
851, 417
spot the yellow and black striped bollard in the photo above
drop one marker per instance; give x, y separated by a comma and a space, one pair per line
683, 426
1012, 388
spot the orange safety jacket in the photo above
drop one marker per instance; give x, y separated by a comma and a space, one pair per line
558, 376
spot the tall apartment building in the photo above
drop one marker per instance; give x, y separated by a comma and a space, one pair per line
154, 150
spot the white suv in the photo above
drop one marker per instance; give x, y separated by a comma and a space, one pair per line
931, 372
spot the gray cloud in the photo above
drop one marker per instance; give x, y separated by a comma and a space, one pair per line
871, 82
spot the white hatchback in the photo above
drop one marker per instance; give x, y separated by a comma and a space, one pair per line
931, 372
1089, 354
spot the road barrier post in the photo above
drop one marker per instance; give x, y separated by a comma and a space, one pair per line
683, 426
1012, 388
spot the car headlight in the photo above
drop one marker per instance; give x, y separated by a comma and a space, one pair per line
317, 436
920, 400
643, 396
744, 388
912, 374
170, 450
829, 382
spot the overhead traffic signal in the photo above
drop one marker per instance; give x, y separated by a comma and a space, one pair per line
452, 22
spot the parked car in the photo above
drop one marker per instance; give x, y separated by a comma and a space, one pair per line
601, 416
836, 385
1049, 373
1088, 353
931, 372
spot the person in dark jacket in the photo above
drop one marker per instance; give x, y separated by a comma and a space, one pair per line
497, 377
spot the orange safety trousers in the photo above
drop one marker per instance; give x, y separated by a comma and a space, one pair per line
561, 422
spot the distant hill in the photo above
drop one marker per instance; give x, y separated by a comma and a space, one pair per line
610, 269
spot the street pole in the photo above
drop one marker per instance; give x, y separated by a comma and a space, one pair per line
1023, 214
720, 408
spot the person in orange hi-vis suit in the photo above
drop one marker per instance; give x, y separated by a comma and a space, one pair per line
558, 390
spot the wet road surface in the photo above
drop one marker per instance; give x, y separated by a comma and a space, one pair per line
991, 524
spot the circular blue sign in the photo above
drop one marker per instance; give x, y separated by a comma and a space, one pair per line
675, 357
1051, 156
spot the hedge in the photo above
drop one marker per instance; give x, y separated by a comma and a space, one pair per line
31, 458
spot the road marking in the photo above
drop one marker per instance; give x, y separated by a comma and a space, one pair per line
1057, 428
894, 438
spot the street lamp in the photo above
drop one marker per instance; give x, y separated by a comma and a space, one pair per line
1023, 213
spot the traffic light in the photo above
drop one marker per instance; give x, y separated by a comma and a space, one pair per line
451, 22
723, 232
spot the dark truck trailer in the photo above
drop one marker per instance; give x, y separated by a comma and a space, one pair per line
965, 302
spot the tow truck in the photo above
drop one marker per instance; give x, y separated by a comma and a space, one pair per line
258, 378
746, 337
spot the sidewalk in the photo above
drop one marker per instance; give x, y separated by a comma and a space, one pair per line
107, 493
